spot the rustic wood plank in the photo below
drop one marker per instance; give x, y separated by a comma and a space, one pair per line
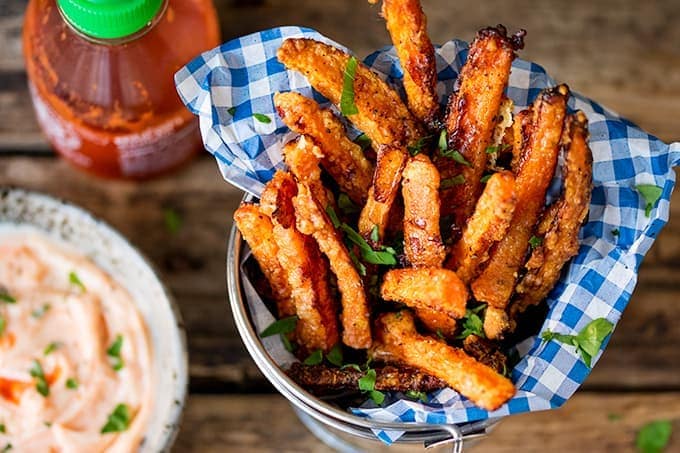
644, 352
588, 422
620, 52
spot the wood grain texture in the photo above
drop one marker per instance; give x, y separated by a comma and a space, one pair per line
587, 422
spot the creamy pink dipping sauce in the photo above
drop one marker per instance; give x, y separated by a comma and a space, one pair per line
47, 316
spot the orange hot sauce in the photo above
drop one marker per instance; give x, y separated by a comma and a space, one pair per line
104, 93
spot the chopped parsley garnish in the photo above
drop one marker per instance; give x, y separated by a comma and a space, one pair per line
5, 297
262, 118
450, 182
361, 269
588, 341
118, 421
496, 148
444, 150
367, 384
38, 373
347, 105
333, 216
282, 327
334, 356
616, 232
418, 146
535, 241
440, 335
172, 220
3, 326
114, 352
651, 194
654, 436
6, 448
375, 236
472, 323
353, 366
364, 141
232, 110
71, 383
75, 280
2, 428
40, 312
50, 348
422, 396
484, 179
384, 256
314, 358
346, 204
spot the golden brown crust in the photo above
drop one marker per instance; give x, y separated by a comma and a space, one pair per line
420, 188
383, 191
521, 131
535, 170
471, 119
488, 225
565, 219
343, 159
397, 341
496, 323
382, 116
407, 26
302, 157
437, 322
355, 318
317, 327
258, 231
433, 289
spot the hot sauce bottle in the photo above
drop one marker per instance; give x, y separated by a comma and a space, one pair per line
101, 79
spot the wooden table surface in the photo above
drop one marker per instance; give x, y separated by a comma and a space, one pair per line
623, 53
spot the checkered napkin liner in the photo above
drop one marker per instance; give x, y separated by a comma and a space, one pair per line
226, 86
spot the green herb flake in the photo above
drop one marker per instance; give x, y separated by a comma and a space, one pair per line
361, 269
75, 280
71, 383
50, 348
651, 194
48, 424
385, 256
444, 150
118, 421
38, 374
495, 148
377, 396
334, 356
367, 382
443, 142
654, 436
287, 344
40, 312
333, 216
472, 323
588, 342
282, 326
172, 220
440, 334
484, 179
364, 141
450, 182
5, 297
114, 352
616, 232
375, 236
347, 105
3, 326
535, 241
422, 396
262, 118
2, 428
314, 358
232, 110
418, 146
353, 366
346, 204
6, 448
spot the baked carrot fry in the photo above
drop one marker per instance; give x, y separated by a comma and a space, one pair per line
437, 322
420, 188
382, 115
317, 327
471, 118
561, 239
302, 157
343, 159
536, 168
397, 341
407, 25
488, 225
258, 231
496, 323
355, 318
434, 289
383, 191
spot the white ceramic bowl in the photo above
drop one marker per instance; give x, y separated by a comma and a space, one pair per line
76, 228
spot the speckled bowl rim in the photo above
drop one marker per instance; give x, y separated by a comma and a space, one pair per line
173, 418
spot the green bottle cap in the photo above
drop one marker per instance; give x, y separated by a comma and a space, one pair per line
109, 19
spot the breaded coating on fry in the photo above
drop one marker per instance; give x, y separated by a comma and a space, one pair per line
438, 322
521, 131
471, 119
407, 25
488, 225
383, 191
302, 157
396, 341
420, 188
424, 288
258, 231
317, 327
537, 166
382, 116
342, 158
486, 352
355, 318
561, 239
496, 323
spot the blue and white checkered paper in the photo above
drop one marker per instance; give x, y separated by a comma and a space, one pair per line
229, 84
